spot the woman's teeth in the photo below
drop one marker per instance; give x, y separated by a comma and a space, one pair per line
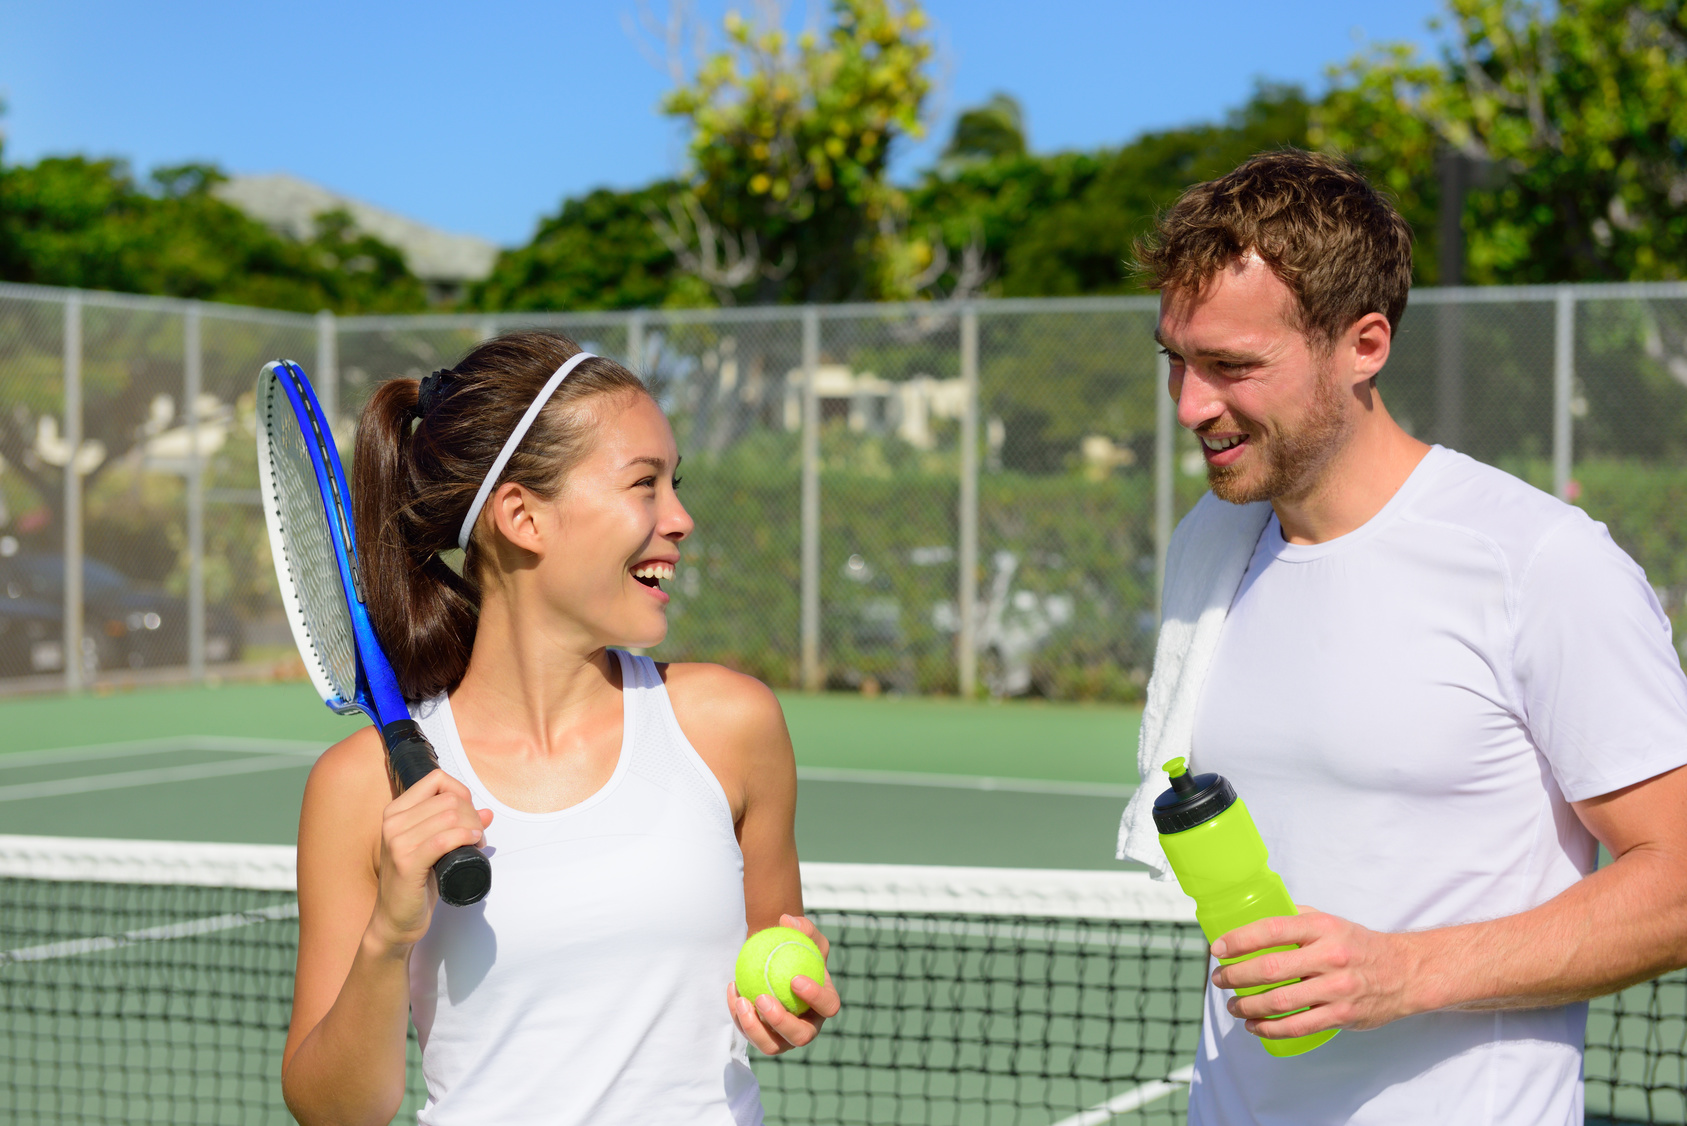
1217, 444
655, 572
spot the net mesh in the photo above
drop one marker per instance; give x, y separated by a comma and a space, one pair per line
146, 982
309, 569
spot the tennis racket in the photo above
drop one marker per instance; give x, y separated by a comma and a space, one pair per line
307, 507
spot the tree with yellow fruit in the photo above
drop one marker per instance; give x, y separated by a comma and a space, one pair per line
790, 141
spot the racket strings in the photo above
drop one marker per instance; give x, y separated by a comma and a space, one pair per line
311, 565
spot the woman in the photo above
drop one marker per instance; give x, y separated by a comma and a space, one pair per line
637, 816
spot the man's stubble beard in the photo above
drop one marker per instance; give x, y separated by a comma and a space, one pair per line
1292, 458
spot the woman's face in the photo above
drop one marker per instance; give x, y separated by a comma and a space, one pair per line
612, 532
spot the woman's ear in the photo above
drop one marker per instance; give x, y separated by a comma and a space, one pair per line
515, 512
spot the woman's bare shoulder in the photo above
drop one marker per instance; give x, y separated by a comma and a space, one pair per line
723, 700
356, 763
347, 789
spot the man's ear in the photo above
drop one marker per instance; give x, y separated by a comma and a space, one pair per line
1368, 343
515, 513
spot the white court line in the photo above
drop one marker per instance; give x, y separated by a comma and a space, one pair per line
127, 779
231, 744
964, 782
1133, 1099
74, 946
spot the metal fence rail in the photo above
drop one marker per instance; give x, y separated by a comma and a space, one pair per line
914, 498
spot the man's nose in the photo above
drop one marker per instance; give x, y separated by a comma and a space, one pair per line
1197, 402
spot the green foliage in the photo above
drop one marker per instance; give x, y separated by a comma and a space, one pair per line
991, 131
790, 144
598, 252
1582, 106
78, 222
887, 608
1064, 224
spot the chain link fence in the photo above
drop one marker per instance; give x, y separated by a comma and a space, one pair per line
889, 498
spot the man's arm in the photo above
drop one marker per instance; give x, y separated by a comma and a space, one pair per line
1623, 924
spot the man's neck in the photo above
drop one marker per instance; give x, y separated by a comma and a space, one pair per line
1353, 485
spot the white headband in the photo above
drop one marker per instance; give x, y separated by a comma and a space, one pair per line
514, 440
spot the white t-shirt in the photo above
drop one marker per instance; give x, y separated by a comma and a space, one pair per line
1408, 711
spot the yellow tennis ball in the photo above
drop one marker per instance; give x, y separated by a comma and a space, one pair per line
771, 958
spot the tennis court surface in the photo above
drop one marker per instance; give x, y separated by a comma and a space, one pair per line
996, 964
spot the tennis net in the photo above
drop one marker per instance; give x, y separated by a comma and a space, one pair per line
149, 982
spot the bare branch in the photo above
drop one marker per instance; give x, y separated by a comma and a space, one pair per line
716, 256
976, 271
937, 268
671, 32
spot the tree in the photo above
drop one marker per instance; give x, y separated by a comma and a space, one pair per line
78, 222
598, 252
1583, 107
991, 131
1064, 223
789, 146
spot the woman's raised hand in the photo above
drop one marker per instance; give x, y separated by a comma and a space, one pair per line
418, 827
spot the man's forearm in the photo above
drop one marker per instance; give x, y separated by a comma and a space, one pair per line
1623, 924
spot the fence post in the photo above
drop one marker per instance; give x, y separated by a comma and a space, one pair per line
1563, 387
1449, 372
192, 381
635, 342
1165, 441
73, 491
966, 594
327, 374
810, 500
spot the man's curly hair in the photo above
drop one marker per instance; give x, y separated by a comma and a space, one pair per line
1333, 239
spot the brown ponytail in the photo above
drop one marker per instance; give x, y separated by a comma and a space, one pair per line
413, 481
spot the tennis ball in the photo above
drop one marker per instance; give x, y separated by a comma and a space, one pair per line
771, 958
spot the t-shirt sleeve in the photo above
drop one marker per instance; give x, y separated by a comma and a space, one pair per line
1601, 685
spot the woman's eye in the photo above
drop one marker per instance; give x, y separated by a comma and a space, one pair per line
677, 481
645, 482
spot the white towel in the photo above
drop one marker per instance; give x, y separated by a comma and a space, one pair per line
1208, 556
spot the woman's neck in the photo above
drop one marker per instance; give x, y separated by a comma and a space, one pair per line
532, 678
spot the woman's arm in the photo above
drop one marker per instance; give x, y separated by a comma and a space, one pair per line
365, 898
740, 732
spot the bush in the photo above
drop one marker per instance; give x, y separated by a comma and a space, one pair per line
1065, 583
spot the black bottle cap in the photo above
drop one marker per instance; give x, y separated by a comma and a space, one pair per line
1192, 799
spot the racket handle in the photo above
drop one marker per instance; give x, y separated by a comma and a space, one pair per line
464, 874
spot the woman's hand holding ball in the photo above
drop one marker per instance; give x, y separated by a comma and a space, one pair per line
775, 962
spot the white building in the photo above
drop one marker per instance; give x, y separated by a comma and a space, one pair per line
872, 405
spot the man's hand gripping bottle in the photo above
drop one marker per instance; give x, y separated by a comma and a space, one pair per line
1221, 863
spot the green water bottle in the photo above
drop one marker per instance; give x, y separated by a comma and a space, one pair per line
1221, 863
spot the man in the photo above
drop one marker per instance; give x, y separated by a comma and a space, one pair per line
1436, 688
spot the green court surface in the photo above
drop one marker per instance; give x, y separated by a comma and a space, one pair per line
887, 780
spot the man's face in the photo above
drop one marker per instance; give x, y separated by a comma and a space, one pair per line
1267, 407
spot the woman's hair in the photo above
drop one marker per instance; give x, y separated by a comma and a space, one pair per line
417, 471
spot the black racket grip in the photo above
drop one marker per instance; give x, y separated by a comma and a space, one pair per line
464, 874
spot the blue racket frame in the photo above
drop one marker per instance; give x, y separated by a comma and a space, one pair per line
464, 875
376, 694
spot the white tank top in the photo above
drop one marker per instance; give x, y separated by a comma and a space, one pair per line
589, 986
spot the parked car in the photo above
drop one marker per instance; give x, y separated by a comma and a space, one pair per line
126, 623
31, 633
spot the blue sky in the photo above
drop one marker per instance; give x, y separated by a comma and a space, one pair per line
480, 118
